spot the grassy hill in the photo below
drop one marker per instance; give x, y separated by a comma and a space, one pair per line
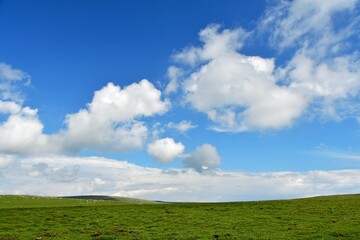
333, 217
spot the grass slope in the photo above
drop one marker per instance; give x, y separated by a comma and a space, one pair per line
335, 217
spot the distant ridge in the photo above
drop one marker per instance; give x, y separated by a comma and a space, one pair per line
28, 201
110, 198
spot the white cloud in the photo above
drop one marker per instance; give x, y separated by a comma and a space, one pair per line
22, 133
348, 156
204, 158
325, 66
293, 22
324, 150
237, 92
183, 126
241, 93
326, 82
8, 107
8, 73
110, 122
103, 176
10, 78
165, 150
6, 160
330, 80
173, 74
216, 45
42, 169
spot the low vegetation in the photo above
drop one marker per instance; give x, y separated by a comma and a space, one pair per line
109, 218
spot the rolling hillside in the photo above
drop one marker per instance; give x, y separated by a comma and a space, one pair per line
105, 218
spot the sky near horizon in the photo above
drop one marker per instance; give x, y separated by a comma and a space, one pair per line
180, 100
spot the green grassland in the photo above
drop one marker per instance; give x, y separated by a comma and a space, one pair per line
109, 218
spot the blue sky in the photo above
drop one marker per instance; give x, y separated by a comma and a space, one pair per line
259, 90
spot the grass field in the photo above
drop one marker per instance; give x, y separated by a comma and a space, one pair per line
26, 217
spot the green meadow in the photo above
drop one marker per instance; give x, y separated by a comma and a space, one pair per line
110, 218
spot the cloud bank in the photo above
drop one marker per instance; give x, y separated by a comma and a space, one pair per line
60, 176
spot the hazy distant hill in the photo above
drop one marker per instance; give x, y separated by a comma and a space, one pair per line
111, 198
26, 201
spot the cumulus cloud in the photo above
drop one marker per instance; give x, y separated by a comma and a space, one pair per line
215, 45
111, 121
182, 126
165, 150
8, 107
237, 92
205, 158
110, 117
320, 72
93, 175
22, 132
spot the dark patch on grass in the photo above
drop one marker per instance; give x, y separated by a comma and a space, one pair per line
95, 234
47, 234
106, 238
339, 235
125, 232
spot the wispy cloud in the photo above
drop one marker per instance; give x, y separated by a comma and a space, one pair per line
348, 156
329, 152
325, 64
11, 79
339, 155
182, 126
